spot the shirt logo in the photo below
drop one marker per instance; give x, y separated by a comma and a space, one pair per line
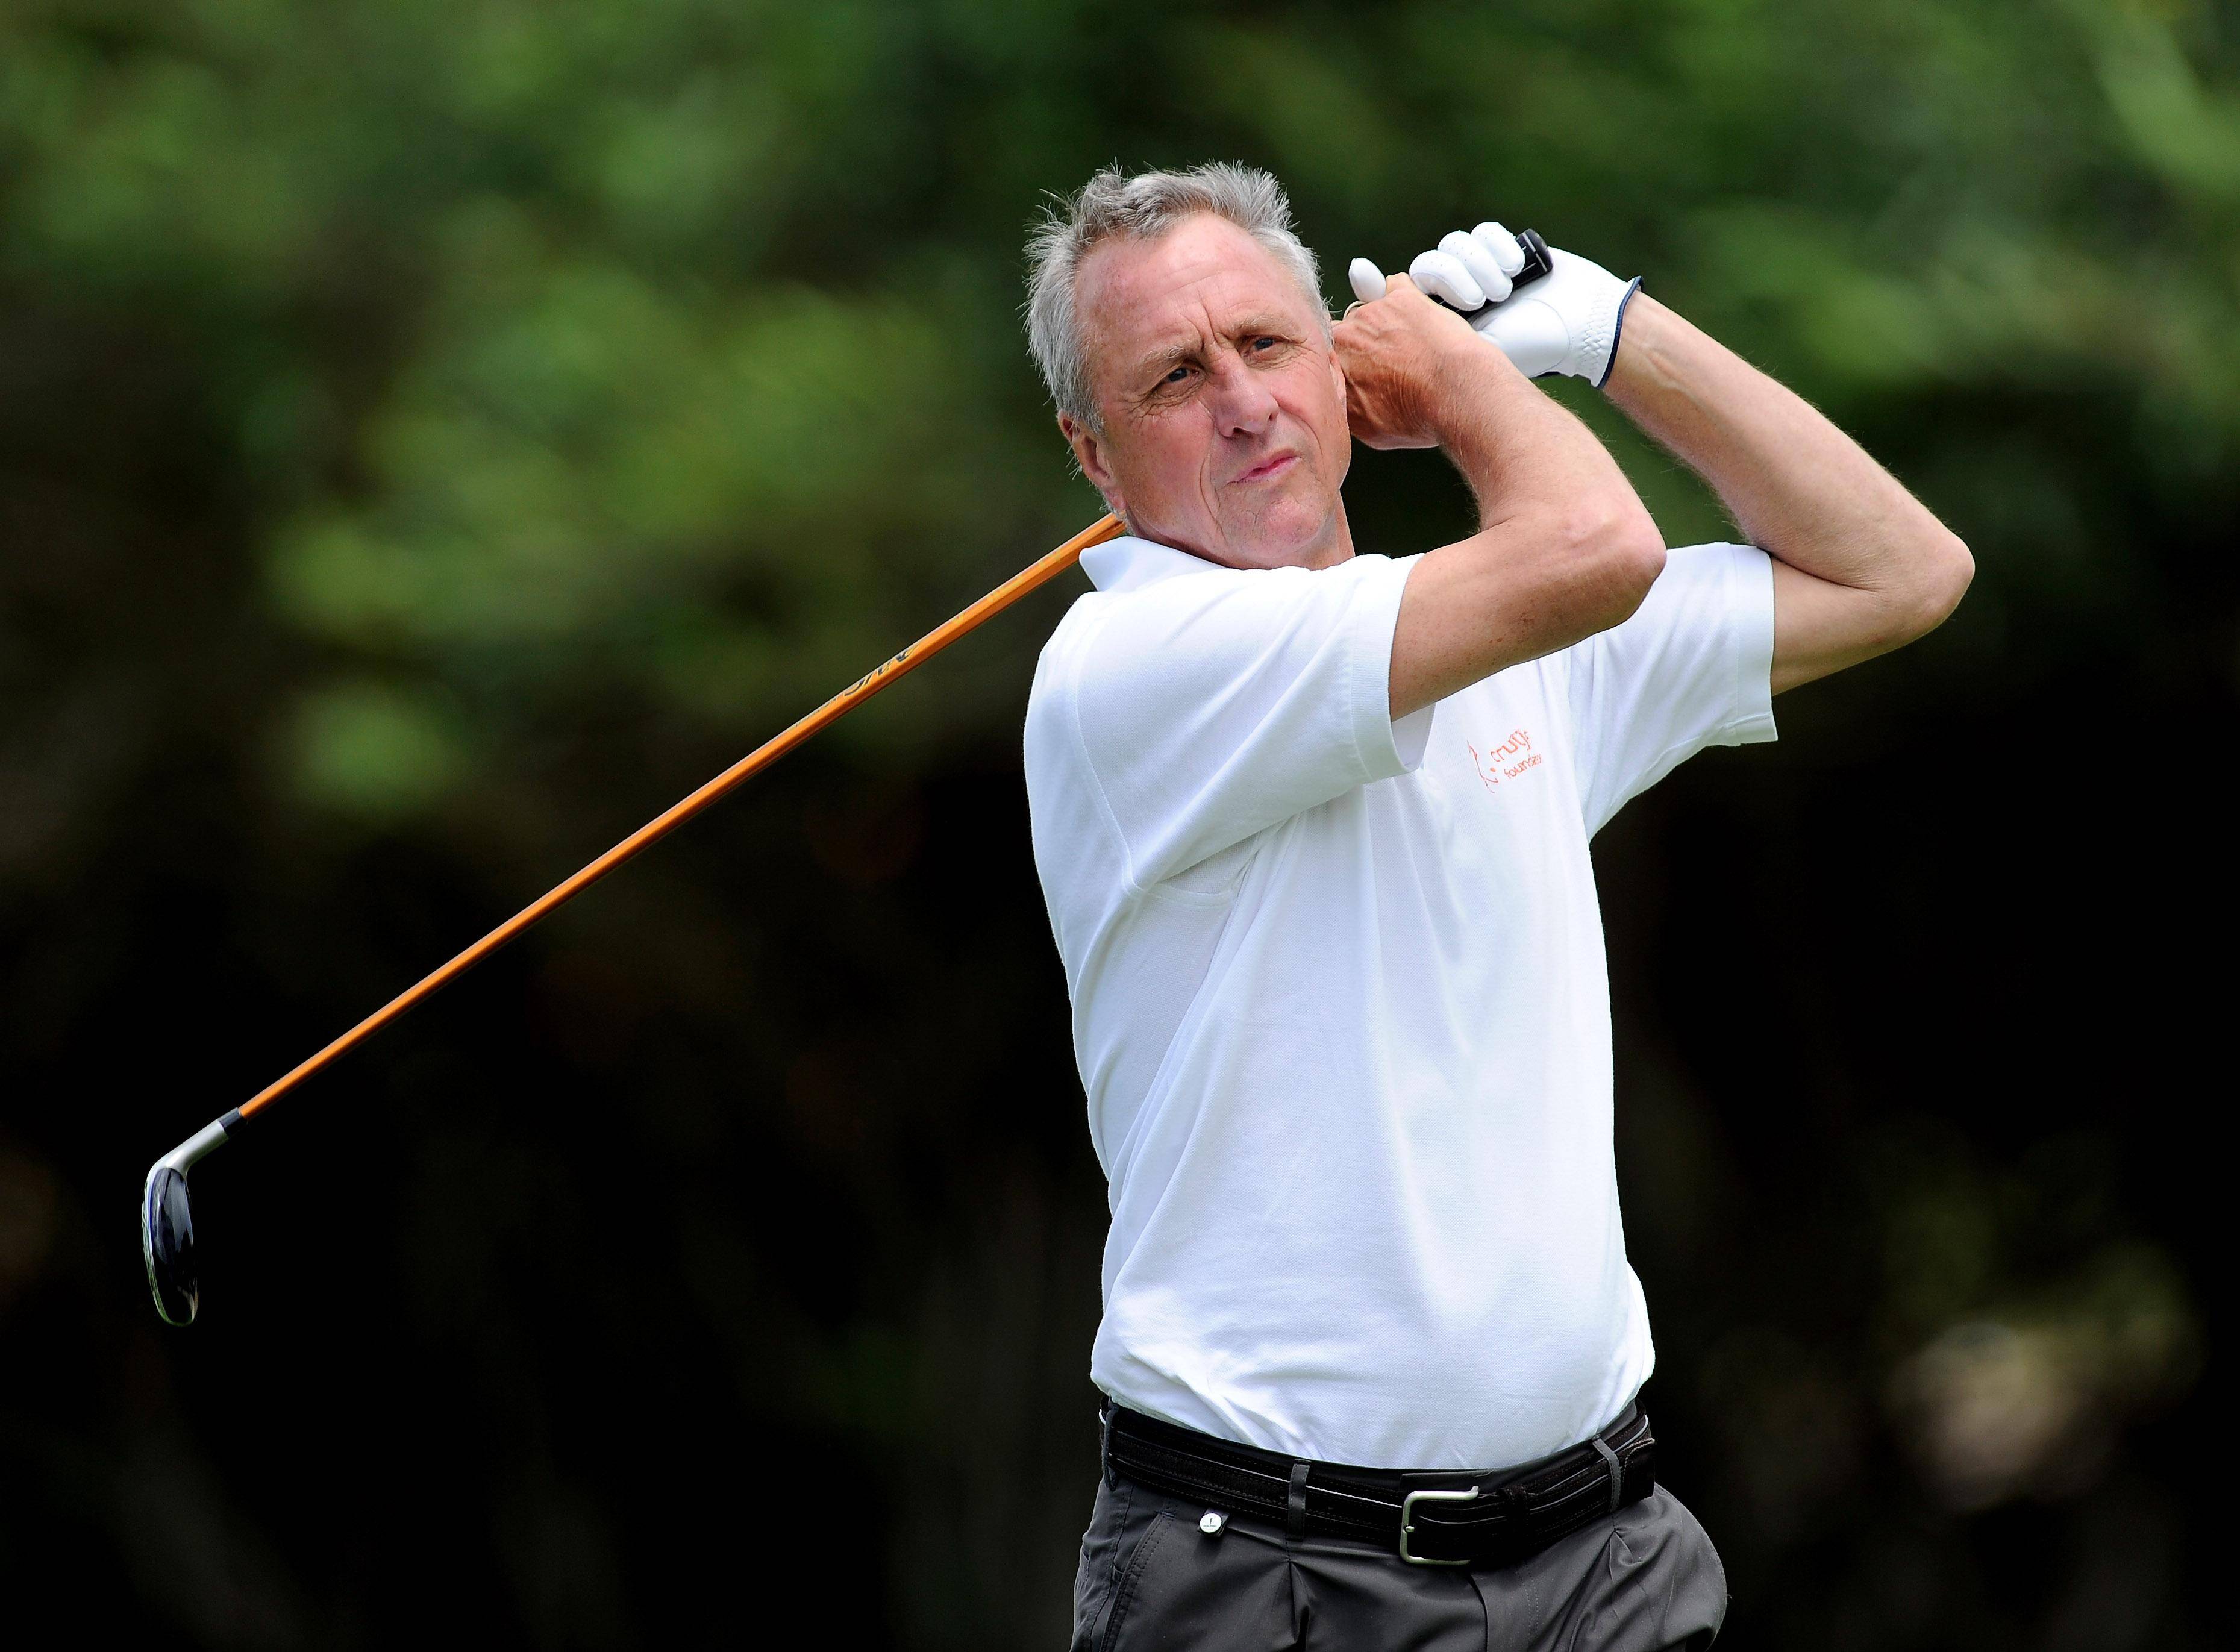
1506, 761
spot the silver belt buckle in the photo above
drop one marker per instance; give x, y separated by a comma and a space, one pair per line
1407, 1522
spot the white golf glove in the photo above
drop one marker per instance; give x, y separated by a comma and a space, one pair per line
1566, 322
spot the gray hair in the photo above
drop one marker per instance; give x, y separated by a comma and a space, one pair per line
1142, 208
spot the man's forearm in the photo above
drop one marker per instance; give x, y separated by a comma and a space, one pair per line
1563, 550
1523, 453
1798, 487
1860, 566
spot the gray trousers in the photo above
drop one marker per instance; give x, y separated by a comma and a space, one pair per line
1152, 1580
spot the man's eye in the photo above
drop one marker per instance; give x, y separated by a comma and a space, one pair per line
1266, 344
1177, 376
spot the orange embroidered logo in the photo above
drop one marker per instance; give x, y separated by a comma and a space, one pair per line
1506, 761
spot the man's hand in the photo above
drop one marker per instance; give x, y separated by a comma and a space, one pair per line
1567, 322
1398, 354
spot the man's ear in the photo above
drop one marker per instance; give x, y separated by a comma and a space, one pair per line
1345, 401
1089, 452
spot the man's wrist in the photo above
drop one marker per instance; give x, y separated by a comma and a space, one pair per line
1640, 358
1467, 389
1601, 357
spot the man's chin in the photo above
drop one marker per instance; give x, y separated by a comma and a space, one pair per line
1289, 533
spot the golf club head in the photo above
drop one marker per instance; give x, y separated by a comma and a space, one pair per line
167, 1243
167, 1224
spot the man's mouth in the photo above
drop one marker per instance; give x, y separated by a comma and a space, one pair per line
1274, 465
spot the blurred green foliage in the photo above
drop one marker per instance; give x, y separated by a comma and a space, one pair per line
576, 349
437, 434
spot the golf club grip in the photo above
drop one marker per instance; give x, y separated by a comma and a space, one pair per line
1020, 584
1538, 263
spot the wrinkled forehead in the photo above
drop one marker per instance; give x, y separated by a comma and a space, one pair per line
1205, 279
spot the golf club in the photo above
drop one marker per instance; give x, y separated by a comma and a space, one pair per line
167, 1226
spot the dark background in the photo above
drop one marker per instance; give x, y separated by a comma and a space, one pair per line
435, 436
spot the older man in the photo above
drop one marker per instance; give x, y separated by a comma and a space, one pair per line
1313, 827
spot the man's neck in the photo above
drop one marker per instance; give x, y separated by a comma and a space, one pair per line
1333, 545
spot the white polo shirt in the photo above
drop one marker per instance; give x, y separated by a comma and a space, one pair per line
1339, 996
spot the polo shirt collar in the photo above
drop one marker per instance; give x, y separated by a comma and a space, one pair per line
1129, 563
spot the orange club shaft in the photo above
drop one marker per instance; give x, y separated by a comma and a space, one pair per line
1028, 580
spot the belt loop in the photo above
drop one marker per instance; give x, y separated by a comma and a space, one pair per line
1617, 1474
1105, 1442
1294, 1515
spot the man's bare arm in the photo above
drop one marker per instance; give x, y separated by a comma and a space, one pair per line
1565, 547
1860, 566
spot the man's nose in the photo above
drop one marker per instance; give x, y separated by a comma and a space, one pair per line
1241, 400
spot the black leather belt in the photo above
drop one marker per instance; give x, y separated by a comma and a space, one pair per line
1429, 1518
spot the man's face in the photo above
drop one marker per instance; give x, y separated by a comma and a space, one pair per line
1223, 405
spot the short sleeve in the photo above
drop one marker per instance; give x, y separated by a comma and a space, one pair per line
1211, 707
1692, 667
